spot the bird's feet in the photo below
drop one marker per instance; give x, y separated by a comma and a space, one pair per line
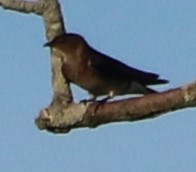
85, 101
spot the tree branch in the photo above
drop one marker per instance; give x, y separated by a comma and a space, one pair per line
62, 115
61, 119
54, 25
22, 6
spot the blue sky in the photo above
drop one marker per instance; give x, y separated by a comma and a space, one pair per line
154, 35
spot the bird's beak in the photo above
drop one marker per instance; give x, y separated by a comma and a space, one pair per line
48, 44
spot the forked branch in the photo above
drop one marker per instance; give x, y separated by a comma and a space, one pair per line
62, 115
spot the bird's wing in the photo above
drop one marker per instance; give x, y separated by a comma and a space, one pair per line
116, 70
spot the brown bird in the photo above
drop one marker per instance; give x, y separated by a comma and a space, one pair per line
98, 73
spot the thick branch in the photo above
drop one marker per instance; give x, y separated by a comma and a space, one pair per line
60, 119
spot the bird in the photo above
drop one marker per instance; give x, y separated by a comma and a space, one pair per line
98, 73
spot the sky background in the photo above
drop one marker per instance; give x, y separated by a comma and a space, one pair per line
153, 35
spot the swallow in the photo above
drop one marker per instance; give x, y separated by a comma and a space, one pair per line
98, 73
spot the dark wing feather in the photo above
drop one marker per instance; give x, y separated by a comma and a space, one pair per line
116, 70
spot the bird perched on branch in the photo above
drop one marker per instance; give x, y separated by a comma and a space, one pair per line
98, 73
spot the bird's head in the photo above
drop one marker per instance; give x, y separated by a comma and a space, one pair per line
64, 39
60, 39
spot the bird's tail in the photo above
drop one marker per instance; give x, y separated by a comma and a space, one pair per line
149, 91
157, 81
137, 88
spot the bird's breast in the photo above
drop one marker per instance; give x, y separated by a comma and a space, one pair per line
84, 76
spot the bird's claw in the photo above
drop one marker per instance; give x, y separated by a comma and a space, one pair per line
85, 101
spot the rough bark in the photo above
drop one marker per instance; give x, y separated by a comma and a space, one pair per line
60, 119
63, 114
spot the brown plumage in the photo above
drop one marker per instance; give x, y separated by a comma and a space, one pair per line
98, 73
